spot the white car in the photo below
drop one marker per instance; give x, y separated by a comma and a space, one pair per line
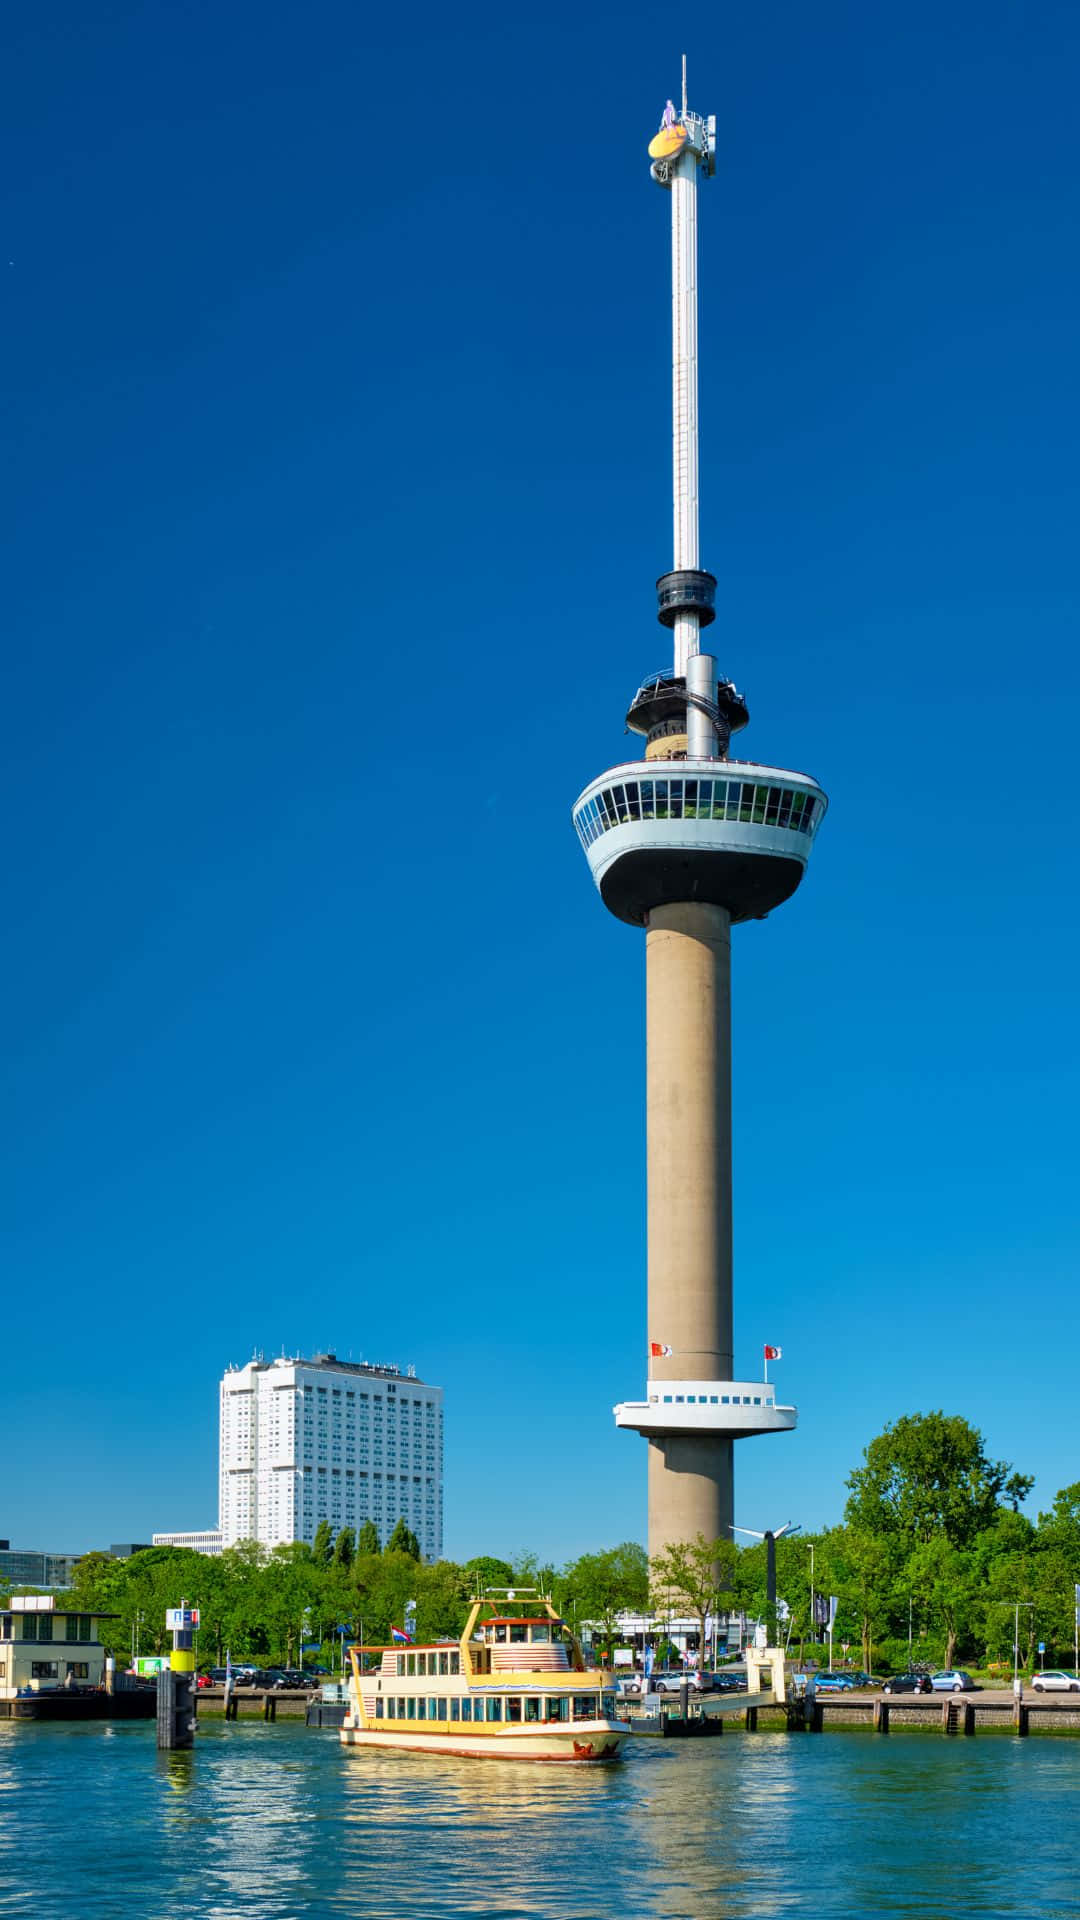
1056, 1680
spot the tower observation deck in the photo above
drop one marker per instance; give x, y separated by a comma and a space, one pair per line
687, 842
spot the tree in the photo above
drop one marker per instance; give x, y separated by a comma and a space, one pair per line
403, 1540
928, 1476
367, 1540
344, 1548
322, 1545
598, 1586
690, 1576
489, 1572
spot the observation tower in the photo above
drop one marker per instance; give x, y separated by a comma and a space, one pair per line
687, 843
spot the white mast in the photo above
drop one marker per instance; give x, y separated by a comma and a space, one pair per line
685, 143
684, 388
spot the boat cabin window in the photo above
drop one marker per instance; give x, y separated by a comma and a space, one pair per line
541, 1634
513, 1708
532, 1708
401, 1663
500, 1632
444, 1663
495, 1709
411, 1663
558, 1708
455, 1662
466, 1709
519, 1633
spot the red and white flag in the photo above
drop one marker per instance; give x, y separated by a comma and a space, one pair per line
658, 1351
774, 1353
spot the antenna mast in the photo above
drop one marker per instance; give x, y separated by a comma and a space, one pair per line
685, 143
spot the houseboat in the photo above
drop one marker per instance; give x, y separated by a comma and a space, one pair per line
53, 1666
514, 1687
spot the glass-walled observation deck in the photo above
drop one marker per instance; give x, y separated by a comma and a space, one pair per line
730, 832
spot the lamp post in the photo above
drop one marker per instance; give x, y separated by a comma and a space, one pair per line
1016, 1605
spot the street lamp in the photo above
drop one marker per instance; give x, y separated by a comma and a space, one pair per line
1016, 1606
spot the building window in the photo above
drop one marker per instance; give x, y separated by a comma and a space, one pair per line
43, 1670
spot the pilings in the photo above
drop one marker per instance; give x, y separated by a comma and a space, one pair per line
175, 1709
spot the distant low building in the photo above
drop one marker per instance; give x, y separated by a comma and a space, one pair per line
29, 1567
125, 1548
42, 1647
208, 1541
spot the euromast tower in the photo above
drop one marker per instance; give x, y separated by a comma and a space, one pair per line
687, 843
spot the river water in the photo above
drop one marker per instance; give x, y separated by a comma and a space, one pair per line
278, 1822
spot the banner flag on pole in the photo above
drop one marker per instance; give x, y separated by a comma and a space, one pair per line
658, 1351
774, 1353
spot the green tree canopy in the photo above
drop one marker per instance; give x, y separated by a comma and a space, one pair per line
692, 1577
403, 1540
928, 1476
597, 1586
367, 1540
344, 1548
489, 1572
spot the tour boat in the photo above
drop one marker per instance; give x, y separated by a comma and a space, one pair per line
514, 1687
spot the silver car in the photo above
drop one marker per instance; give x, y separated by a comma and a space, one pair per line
1056, 1680
952, 1680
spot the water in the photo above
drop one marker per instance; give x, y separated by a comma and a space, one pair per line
274, 1823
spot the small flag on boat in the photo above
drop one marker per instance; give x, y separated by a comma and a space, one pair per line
774, 1353
399, 1638
659, 1351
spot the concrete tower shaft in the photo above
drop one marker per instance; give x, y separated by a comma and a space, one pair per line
688, 1103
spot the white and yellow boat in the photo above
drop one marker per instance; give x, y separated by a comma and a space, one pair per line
514, 1687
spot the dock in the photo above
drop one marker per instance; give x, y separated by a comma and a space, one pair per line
669, 1716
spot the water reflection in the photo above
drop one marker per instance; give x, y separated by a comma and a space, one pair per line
278, 1823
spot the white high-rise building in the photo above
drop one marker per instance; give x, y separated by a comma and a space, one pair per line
328, 1439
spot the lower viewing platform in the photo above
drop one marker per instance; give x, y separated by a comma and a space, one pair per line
734, 1408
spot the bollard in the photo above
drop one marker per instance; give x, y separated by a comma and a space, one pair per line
881, 1716
1020, 1719
969, 1716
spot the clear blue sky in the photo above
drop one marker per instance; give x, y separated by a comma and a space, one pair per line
336, 388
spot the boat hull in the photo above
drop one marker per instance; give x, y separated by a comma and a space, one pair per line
583, 1744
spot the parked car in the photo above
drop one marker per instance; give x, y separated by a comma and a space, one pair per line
1056, 1680
290, 1677
204, 1680
952, 1680
731, 1681
834, 1683
906, 1683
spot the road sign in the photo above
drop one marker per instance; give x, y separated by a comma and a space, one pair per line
1042, 1646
